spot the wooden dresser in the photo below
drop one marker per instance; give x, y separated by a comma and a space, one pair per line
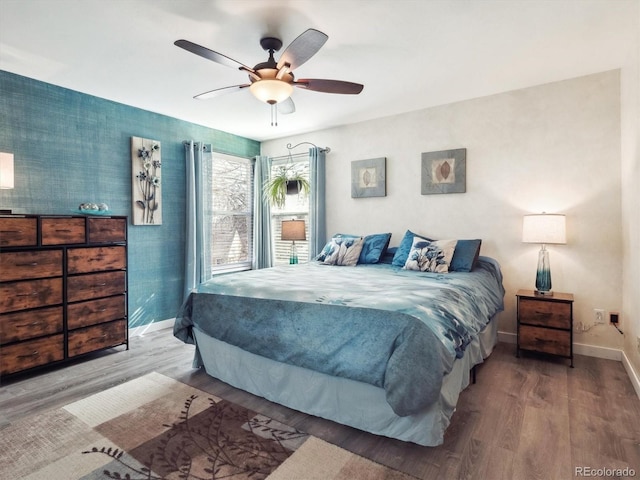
545, 323
63, 288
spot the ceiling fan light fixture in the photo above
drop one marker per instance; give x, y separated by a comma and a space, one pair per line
271, 91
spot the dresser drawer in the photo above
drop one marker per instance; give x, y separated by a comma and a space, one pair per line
34, 264
30, 324
96, 259
97, 337
546, 340
95, 285
96, 311
32, 353
18, 232
102, 230
547, 313
30, 294
61, 231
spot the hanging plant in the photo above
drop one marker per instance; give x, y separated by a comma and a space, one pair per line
288, 181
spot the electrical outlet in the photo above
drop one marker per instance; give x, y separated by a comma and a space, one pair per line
599, 315
614, 318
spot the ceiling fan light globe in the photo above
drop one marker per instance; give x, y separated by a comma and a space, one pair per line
271, 91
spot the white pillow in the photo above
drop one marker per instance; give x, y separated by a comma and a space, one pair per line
343, 251
430, 256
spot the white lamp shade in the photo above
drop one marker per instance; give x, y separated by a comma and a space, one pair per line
6, 170
271, 91
544, 228
293, 230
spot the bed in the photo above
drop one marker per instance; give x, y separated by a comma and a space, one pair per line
375, 346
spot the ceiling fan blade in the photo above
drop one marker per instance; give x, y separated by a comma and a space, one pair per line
211, 55
220, 91
329, 86
305, 46
286, 107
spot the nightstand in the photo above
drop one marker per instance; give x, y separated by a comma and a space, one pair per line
545, 323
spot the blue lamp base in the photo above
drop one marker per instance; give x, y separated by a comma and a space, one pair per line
543, 274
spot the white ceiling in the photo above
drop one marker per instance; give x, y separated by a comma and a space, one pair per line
409, 54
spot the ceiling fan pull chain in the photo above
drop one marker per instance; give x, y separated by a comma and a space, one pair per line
274, 115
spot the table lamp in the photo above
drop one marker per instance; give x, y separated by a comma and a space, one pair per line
293, 230
544, 229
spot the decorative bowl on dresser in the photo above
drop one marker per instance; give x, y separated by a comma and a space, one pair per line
63, 288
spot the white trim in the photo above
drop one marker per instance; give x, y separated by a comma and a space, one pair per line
151, 327
633, 375
592, 351
507, 337
598, 352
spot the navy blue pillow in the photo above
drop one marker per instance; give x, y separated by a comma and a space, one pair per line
402, 253
465, 255
373, 248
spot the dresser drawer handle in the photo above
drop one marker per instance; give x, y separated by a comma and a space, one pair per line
32, 264
101, 284
32, 294
32, 324
11, 231
29, 355
62, 230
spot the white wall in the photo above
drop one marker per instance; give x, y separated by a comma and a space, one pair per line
630, 95
553, 148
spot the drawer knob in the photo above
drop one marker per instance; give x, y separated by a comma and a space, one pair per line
35, 353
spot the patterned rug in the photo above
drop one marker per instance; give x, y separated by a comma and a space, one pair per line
155, 428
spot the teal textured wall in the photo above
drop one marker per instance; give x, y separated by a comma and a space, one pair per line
71, 148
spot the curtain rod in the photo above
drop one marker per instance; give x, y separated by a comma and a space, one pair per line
291, 155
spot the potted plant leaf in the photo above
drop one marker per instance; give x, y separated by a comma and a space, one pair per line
288, 181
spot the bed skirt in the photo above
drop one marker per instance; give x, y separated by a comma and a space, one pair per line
345, 401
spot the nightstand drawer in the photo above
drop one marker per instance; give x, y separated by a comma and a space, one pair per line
546, 340
547, 314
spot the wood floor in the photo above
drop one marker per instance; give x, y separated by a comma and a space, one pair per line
525, 418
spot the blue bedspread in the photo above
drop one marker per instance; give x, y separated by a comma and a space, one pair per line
399, 330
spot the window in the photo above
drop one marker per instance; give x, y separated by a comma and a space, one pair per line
228, 214
295, 207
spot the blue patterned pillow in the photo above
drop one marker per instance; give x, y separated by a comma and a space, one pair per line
466, 255
343, 251
400, 258
430, 256
373, 248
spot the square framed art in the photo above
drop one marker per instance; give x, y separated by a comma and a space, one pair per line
444, 172
368, 178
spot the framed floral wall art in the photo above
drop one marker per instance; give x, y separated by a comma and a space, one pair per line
444, 172
369, 178
145, 181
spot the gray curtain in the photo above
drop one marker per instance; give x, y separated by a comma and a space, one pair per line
262, 244
317, 209
196, 157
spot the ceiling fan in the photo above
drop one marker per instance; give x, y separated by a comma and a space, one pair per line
272, 82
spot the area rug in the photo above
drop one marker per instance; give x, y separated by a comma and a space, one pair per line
156, 428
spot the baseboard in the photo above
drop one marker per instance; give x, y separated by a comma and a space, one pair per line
633, 375
151, 327
592, 351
